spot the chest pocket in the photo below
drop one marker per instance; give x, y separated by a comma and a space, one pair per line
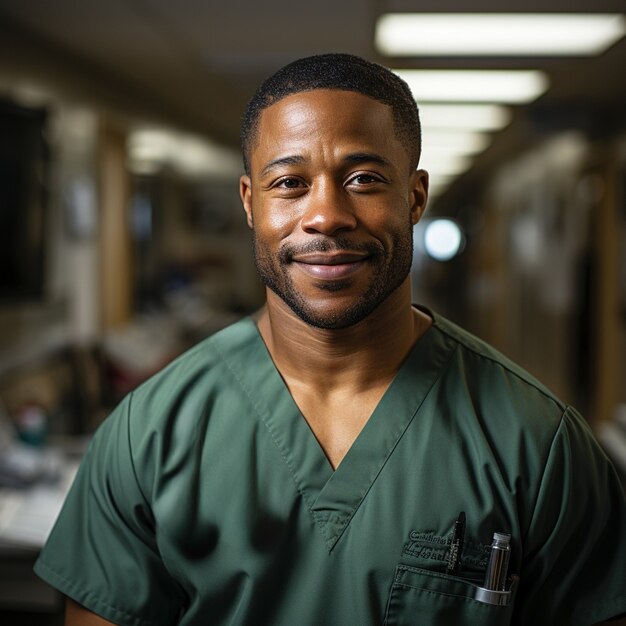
422, 597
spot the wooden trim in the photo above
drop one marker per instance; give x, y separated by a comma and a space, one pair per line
116, 263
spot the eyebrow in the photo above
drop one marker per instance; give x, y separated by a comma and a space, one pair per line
355, 158
286, 160
367, 157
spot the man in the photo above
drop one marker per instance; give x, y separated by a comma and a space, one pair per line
344, 458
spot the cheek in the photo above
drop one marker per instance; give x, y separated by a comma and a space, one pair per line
276, 222
280, 222
389, 220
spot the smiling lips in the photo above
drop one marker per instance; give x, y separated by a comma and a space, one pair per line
329, 266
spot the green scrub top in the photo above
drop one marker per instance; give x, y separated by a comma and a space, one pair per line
205, 499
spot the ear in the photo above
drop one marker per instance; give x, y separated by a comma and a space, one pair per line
245, 192
418, 194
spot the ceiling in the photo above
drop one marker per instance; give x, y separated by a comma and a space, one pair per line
196, 63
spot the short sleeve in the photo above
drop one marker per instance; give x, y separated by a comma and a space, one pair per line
102, 551
574, 568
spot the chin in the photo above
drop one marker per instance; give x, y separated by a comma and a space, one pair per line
333, 317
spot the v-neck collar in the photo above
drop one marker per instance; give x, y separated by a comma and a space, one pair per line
333, 497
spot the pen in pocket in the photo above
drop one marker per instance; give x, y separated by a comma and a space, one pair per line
456, 546
494, 589
497, 568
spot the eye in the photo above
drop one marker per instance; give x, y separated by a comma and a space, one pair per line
364, 180
289, 183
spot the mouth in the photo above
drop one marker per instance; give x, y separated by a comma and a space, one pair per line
330, 266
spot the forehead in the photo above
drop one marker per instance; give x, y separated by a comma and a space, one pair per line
326, 116
332, 107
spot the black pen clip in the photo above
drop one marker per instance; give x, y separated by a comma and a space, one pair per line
456, 546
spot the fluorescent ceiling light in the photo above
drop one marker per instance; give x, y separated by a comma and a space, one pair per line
444, 164
510, 34
435, 179
438, 154
483, 117
457, 141
152, 148
493, 86
446, 154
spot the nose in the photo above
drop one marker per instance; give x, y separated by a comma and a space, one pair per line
328, 210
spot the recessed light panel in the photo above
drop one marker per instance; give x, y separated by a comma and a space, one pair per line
489, 86
462, 142
479, 117
499, 34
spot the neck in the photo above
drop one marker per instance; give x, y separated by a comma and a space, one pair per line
370, 351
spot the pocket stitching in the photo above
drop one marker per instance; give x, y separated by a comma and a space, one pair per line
481, 605
434, 592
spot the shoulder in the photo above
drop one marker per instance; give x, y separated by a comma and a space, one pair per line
206, 364
500, 408
497, 379
488, 361
164, 416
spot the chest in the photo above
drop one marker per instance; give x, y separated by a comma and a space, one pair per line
337, 419
262, 528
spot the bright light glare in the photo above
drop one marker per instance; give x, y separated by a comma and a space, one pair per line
444, 164
446, 155
513, 34
443, 239
435, 179
492, 86
151, 148
483, 117
455, 141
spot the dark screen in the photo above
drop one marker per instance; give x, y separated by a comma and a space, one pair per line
23, 173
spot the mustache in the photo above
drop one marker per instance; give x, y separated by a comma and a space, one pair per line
336, 244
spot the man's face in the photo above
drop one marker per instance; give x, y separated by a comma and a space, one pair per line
332, 200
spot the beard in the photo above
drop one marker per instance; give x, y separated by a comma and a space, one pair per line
390, 269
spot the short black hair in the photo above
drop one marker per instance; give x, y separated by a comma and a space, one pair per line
342, 72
